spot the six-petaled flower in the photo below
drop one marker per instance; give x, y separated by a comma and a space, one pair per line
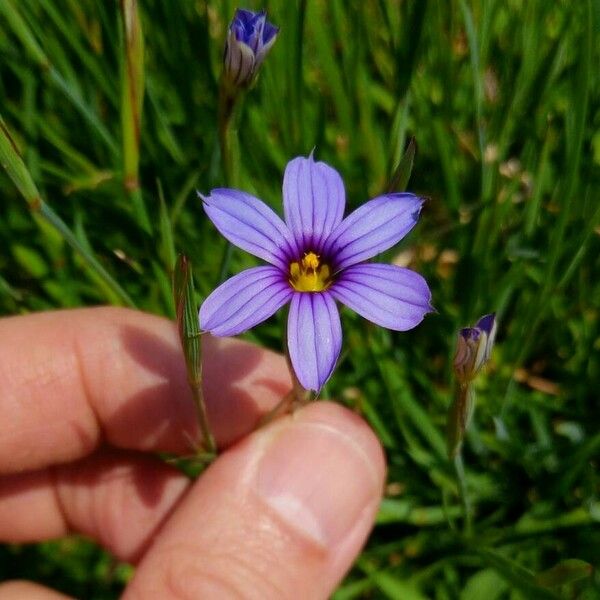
249, 38
315, 258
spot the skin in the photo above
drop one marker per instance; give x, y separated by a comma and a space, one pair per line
89, 396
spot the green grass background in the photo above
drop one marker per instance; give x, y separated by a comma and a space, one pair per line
502, 97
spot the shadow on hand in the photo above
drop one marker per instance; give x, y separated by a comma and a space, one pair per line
240, 384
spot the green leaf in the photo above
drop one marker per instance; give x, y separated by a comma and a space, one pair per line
404, 511
486, 584
16, 169
390, 585
566, 571
30, 260
515, 574
166, 232
10, 159
401, 175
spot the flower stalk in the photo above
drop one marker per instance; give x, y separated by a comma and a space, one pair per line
459, 470
229, 109
189, 334
473, 350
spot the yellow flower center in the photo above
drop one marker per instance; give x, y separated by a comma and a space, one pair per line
309, 275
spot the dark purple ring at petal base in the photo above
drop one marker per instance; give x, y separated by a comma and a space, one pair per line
470, 333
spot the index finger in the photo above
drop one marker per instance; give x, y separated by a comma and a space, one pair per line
72, 380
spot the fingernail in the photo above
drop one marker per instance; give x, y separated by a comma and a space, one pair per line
318, 480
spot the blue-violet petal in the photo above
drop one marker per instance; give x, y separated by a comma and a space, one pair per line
313, 201
251, 225
314, 338
245, 300
387, 295
373, 228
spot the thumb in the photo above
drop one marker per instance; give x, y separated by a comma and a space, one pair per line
282, 514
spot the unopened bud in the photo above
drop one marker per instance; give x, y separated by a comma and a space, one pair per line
473, 350
249, 39
474, 347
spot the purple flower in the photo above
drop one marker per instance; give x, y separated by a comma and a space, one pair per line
249, 39
315, 258
474, 348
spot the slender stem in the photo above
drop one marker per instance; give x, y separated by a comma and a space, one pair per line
459, 416
210, 445
281, 408
228, 102
459, 469
225, 260
446, 509
228, 144
189, 335
294, 399
132, 102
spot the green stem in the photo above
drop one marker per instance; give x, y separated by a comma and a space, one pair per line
132, 102
228, 113
228, 144
198, 395
281, 408
225, 260
459, 469
295, 398
459, 416
189, 334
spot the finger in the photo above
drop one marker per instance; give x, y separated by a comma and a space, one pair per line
118, 498
27, 590
73, 379
281, 515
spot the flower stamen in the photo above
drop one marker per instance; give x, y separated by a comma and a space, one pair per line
309, 274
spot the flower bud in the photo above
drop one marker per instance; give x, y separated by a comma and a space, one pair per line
474, 347
249, 39
473, 350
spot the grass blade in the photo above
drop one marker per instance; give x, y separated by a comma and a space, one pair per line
17, 171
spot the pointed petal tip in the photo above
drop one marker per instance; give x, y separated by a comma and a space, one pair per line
314, 338
486, 322
418, 203
392, 297
314, 385
314, 200
374, 227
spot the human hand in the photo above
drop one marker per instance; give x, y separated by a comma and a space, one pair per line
88, 395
